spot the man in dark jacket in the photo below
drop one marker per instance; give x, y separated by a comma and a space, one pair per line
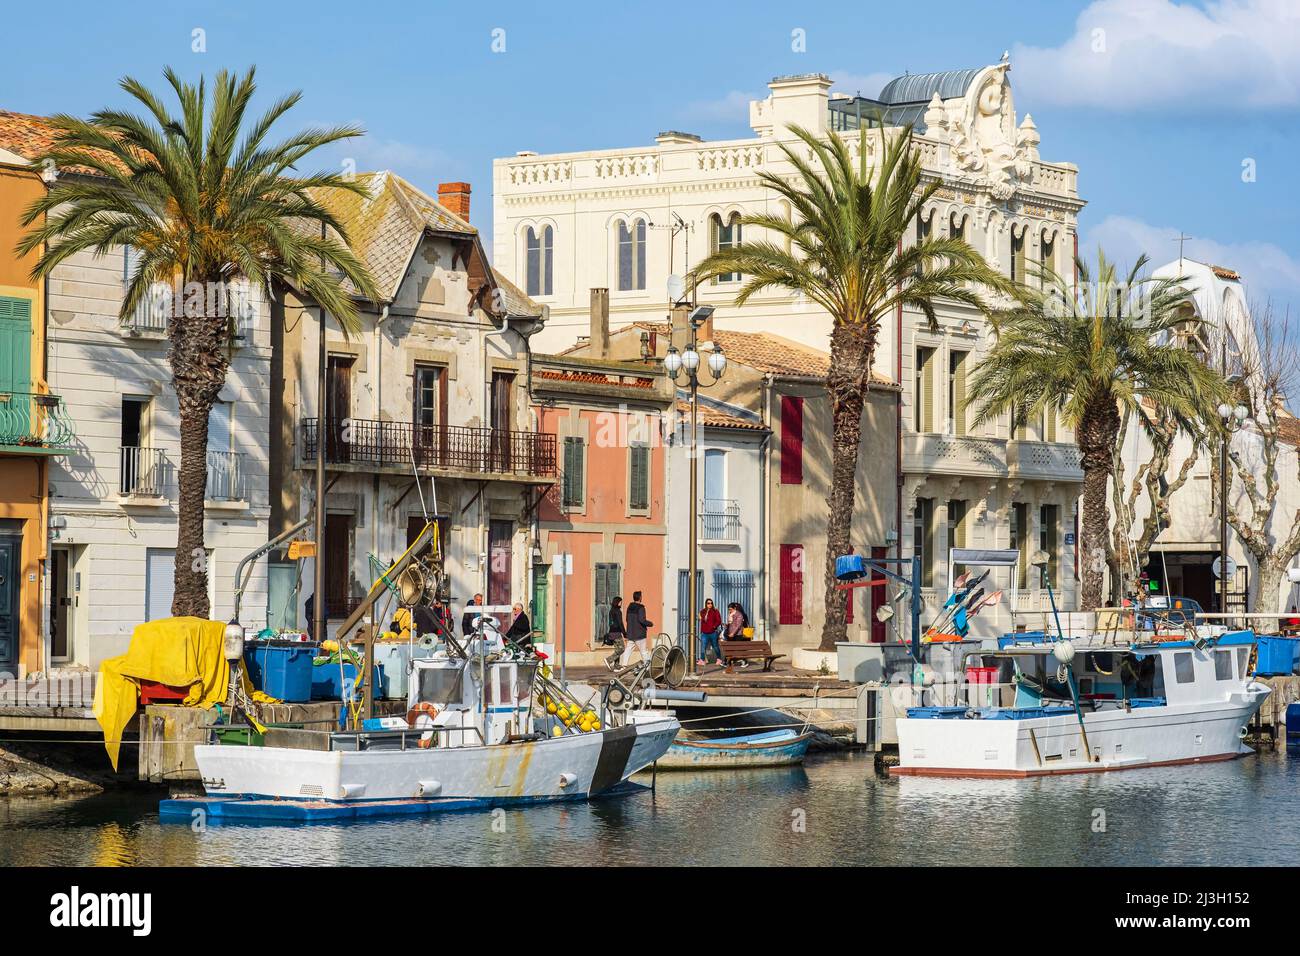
467, 620
521, 631
637, 626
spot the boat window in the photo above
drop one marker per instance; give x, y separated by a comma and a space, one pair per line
441, 685
505, 685
1223, 665
1243, 661
1184, 671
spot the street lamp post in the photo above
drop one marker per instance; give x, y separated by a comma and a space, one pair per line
1232, 417
689, 362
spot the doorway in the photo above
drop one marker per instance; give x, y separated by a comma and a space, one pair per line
62, 604
11, 548
502, 389
338, 406
501, 535
337, 555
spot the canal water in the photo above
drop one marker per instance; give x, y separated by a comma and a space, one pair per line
835, 810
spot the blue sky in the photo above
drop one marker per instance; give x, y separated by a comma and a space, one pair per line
1167, 108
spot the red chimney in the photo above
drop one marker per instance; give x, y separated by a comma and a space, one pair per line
455, 196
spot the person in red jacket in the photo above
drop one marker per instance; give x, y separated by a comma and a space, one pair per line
710, 630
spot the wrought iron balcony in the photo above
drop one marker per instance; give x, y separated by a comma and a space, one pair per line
155, 309
488, 451
226, 478
35, 422
719, 520
144, 472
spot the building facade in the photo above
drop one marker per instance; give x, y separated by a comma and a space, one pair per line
627, 218
34, 429
112, 508
608, 512
425, 411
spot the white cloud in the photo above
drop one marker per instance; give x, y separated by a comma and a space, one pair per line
1158, 54
1267, 271
731, 108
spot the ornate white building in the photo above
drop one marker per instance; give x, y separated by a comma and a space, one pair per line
626, 218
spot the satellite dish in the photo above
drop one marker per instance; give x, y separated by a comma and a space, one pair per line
676, 288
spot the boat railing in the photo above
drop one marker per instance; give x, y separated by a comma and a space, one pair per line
400, 735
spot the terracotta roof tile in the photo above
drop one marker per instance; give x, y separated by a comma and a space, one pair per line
1223, 272
593, 378
717, 418
31, 136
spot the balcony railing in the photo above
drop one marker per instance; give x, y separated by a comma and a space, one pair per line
441, 447
932, 453
144, 472
155, 309
226, 479
719, 520
1054, 461
36, 421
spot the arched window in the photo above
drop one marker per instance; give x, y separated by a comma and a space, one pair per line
631, 255
724, 235
957, 225
1046, 256
1018, 254
539, 249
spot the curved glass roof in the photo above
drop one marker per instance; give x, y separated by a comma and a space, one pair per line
920, 87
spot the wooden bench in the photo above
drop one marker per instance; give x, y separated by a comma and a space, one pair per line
749, 650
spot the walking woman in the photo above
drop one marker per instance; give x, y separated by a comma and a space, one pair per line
710, 631
616, 634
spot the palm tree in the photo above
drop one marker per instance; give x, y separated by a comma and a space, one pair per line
842, 247
1096, 354
203, 209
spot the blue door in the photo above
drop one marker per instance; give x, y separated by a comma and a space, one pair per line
10, 572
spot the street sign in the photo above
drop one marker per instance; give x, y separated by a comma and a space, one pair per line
1069, 539
301, 549
1232, 567
562, 564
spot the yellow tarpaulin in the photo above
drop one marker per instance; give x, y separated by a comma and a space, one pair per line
177, 651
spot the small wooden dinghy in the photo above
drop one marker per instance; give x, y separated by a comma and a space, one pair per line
776, 748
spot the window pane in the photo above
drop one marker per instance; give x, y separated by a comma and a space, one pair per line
625, 252
533, 266
1184, 671
640, 254
548, 251
1223, 665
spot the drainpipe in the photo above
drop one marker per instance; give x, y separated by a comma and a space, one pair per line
765, 505
379, 417
764, 458
898, 435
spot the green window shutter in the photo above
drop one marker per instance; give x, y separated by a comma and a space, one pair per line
639, 479
927, 391
573, 463
959, 390
15, 344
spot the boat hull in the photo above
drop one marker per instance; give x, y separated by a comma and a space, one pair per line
560, 768
725, 754
1043, 746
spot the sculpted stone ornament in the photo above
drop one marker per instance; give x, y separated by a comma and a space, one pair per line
985, 140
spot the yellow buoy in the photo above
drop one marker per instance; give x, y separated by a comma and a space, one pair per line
557, 732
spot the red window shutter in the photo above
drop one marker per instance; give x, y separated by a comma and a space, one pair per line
791, 584
791, 440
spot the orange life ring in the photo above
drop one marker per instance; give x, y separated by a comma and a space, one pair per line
423, 709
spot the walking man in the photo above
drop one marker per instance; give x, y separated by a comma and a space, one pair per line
637, 627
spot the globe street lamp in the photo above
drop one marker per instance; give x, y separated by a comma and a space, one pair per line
676, 363
1232, 418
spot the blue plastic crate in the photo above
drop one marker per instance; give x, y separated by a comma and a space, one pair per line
282, 670
1277, 656
328, 681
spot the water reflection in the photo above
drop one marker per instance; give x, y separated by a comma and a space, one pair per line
835, 810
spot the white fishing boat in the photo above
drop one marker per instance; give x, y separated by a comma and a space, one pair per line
1092, 704
477, 729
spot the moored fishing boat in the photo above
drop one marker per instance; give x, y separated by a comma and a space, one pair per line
485, 727
776, 748
1094, 704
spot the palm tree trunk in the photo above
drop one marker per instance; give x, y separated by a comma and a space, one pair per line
199, 361
1098, 432
847, 383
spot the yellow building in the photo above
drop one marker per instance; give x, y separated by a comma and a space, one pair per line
33, 427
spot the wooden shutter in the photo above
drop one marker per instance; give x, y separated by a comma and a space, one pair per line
639, 479
573, 464
791, 584
791, 440
959, 393
926, 398
15, 344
